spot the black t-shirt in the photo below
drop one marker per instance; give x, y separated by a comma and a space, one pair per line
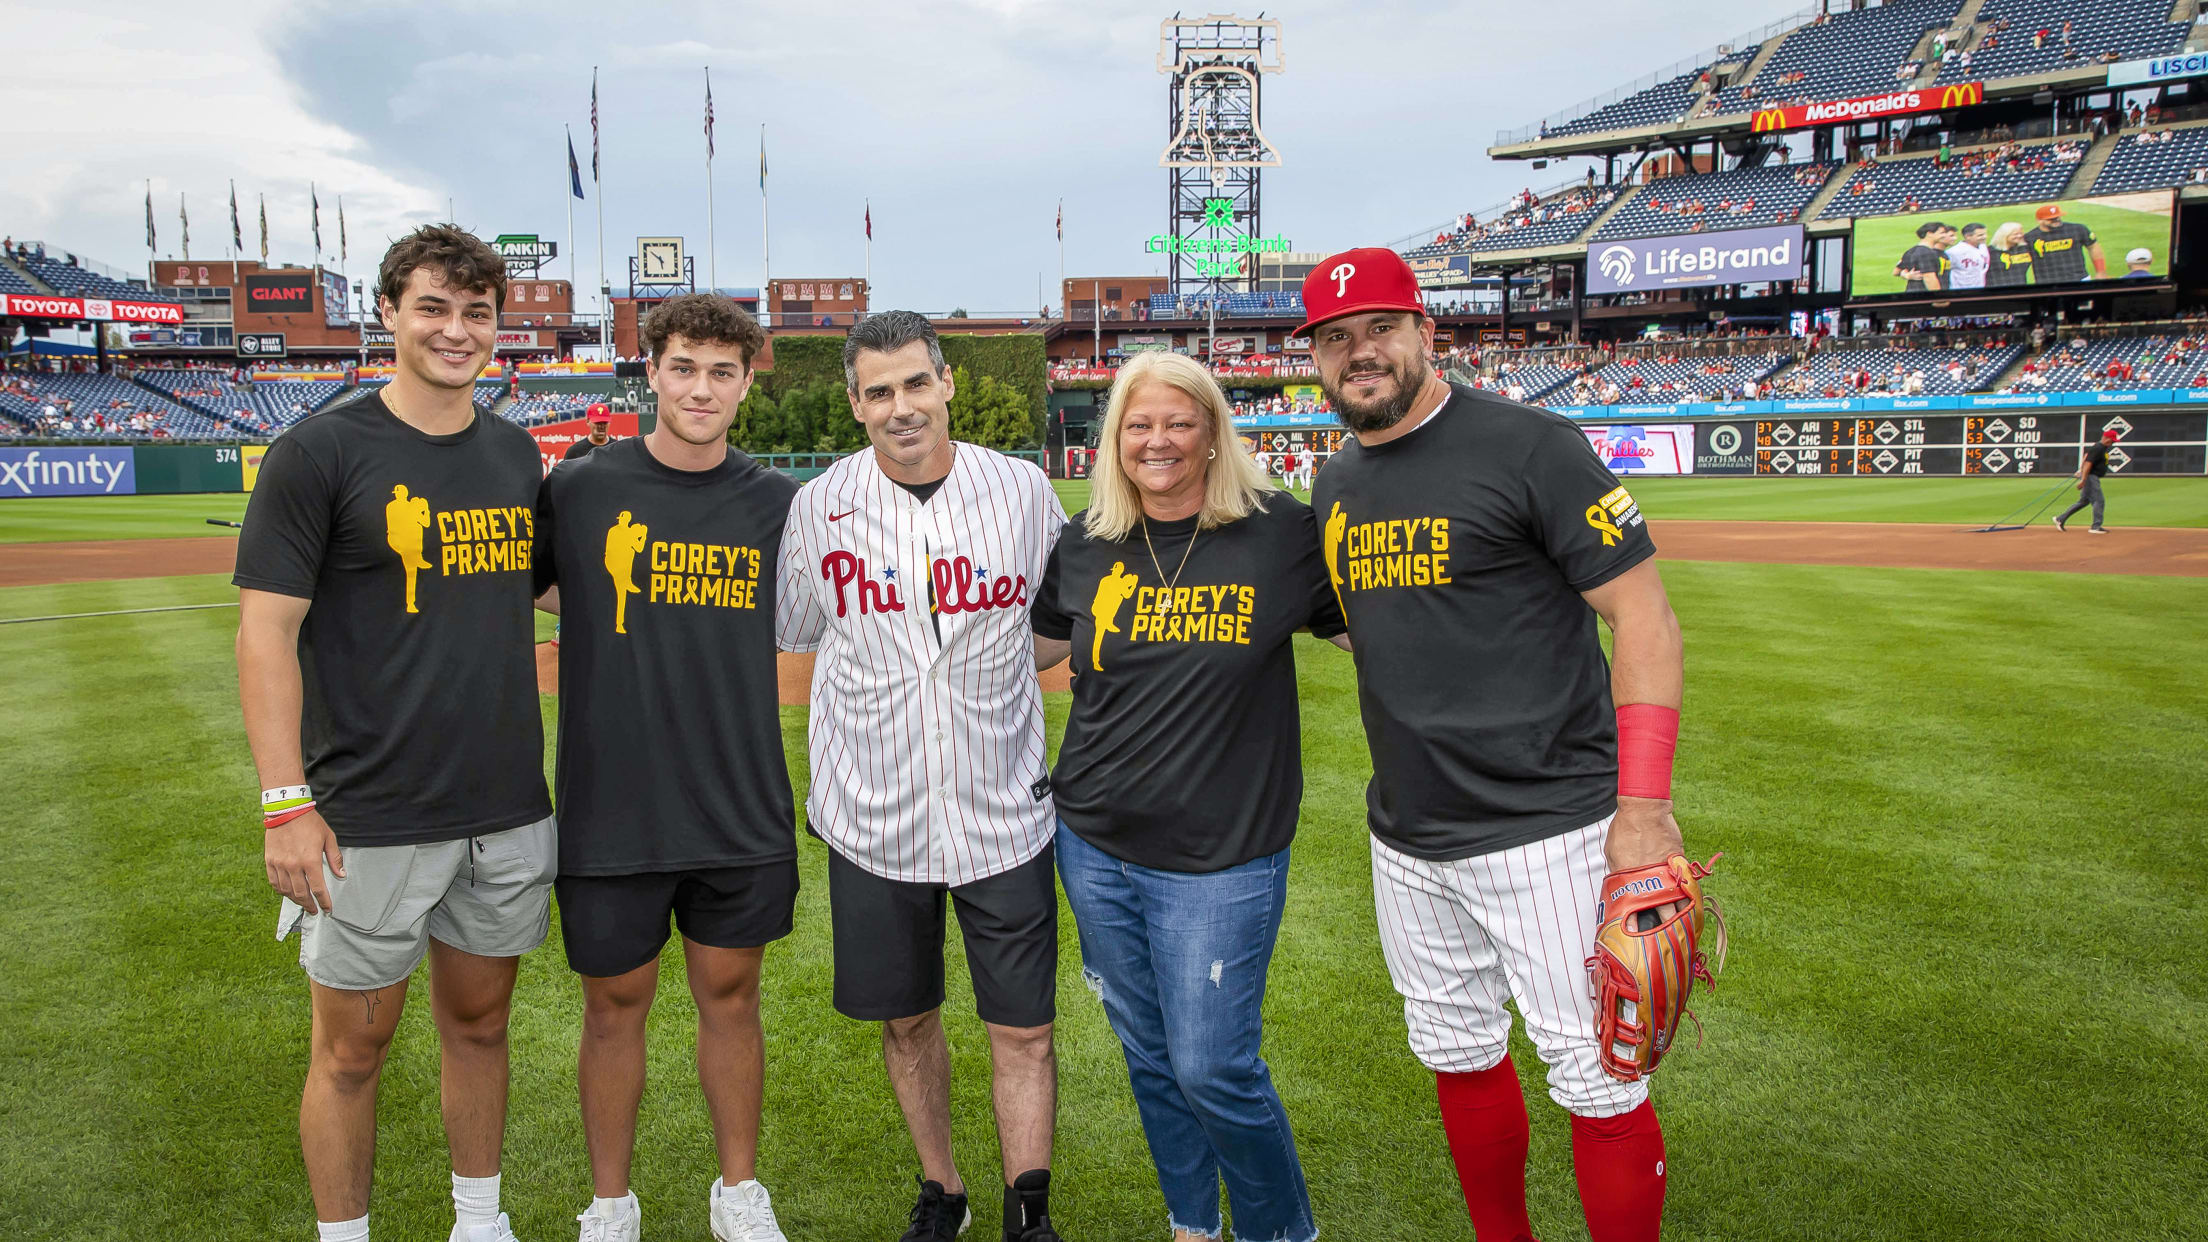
2096, 458
1184, 750
581, 448
2010, 267
1460, 550
1923, 259
420, 721
670, 742
2061, 252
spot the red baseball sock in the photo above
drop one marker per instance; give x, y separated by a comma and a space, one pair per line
1620, 1164
1484, 1115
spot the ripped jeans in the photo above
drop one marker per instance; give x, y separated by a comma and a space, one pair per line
1179, 959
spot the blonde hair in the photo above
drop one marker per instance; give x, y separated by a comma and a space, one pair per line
2005, 234
1233, 482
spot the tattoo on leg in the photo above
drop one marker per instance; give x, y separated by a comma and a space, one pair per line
374, 999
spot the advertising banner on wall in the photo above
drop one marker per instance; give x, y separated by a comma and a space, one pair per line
1868, 107
2158, 69
554, 439
337, 305
279, 293
67, 472
1643, 448
1442, 271
1733, 257
40, 306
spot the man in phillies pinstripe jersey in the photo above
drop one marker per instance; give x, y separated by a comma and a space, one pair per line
911, 569
1474, 541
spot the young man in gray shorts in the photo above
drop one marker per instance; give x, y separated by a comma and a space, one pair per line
386, 671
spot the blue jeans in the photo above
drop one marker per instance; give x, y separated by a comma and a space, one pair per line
1179, 960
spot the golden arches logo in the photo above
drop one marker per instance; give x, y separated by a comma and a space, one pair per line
1768, 119
1962, 94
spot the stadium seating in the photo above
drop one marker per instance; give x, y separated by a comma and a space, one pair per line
11, 282
1669, 205
1671, 379
1537, 380
91, 395
1840, 56
1833, 371
79, 282
1974, 179
2142, 165
2139, 362
266, 407
2132, 29
1285, 304
531, 409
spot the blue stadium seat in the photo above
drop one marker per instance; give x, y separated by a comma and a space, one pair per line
115, 401
2152, 362
2036, 173
1889, 370
2136, 164
1660, 380
1285, 304
1840, 56
1698, 202
2131, 29
77, 282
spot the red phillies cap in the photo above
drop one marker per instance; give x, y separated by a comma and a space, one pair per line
1369, 278
598, 413
2049, 212
2109, 434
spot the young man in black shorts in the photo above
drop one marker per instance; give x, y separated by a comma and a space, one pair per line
390, 697
659, 555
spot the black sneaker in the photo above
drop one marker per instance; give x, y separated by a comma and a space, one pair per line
1027, 1208
938, 1216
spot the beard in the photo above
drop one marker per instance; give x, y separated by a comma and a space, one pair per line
1382, 412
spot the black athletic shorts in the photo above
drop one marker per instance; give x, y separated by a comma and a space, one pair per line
889, 942
613, 924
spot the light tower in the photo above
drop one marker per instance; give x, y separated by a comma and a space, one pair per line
1216, 147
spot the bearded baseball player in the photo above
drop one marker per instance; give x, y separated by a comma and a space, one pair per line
911, 569
1474, 541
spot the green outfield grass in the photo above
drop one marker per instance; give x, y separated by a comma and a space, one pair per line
2120, 222
1962, 502
1961, 822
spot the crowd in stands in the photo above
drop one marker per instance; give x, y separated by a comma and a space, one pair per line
2010, 172
1528, 220
1235, 303
2117, 363
1897, 369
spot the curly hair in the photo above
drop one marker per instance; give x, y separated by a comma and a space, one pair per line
707, 318
467, 262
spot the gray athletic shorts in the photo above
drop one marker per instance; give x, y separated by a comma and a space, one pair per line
489, 895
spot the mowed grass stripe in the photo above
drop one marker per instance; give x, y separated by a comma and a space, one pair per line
1959, 822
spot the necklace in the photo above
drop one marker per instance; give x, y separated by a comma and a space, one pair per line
1165, 597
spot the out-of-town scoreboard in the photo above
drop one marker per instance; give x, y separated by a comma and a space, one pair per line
2037, 442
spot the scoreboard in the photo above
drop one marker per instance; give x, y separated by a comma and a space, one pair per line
1998, 442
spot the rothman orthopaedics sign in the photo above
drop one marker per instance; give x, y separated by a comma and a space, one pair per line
1734, 257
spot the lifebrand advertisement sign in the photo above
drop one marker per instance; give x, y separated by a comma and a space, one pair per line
1733, 257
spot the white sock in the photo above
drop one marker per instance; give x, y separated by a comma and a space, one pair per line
615, 1209
475, 1199
343, 1230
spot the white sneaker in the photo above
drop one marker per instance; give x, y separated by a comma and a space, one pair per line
500, 1230
625, 1226
743, 1213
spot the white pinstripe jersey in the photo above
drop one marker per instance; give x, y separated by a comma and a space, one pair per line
928, 761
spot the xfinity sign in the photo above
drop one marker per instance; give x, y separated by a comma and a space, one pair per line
1735, 257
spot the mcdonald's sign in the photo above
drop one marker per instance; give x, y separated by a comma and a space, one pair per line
1868, 107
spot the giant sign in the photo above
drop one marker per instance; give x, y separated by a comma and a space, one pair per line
279, 293
2158, 69
67, 472
1733, 257
1868, 107
39, 306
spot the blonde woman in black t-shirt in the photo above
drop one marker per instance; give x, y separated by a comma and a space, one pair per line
1178, 595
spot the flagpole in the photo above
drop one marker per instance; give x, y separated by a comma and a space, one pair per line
605, 311
1062, 308
712, 243
766, 232
569, 195
870, 245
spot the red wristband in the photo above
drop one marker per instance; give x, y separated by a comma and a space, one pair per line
281, 818
1647, 737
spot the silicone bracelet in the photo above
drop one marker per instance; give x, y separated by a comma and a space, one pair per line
279, 820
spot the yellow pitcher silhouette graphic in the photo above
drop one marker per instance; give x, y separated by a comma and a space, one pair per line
623, 542
1337, 524
1112, 590
405, 522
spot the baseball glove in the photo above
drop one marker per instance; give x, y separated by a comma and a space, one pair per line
1645, 964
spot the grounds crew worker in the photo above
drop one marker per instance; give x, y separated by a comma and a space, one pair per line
387, 672
1474, 541
2092, 468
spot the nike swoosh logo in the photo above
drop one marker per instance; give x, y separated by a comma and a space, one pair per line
837, 517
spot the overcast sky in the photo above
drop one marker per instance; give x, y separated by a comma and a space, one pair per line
963, 123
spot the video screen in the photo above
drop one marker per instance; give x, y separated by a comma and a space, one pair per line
2022, 246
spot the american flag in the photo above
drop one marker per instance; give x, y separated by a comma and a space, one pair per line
184, 218
709, 114
149, 215
1061, 219
314, 205
341, 229
237, 234
594, 125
